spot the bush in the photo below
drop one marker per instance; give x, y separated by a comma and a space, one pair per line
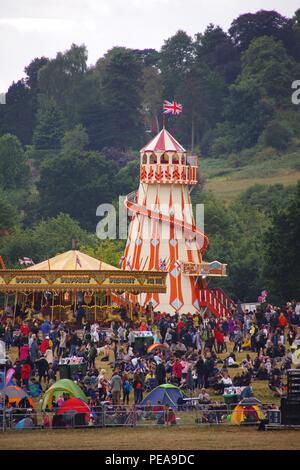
221, 147
276, 135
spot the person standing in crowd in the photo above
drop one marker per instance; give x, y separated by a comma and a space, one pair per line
62, 342
116, 387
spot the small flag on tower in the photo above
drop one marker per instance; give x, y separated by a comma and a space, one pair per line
121, 260
177, 265
128, 265
172, 107
78, 262
162, 264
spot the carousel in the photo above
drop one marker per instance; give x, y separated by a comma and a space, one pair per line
71, 282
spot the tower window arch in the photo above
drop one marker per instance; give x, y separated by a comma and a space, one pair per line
175, 159
164, 159
153, 159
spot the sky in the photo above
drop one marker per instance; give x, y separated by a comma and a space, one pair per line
35, 28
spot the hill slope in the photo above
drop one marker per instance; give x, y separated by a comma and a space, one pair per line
228, 178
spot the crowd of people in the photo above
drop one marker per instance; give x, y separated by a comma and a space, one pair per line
196, 353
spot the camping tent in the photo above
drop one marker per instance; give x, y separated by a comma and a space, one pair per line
60, 387
249, 410
24, 423
167, 394
73, 404
15, 394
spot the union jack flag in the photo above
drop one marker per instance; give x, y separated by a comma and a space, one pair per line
173, 108
162, 264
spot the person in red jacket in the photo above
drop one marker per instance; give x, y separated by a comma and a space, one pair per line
177, 369
143, 327
24, 329
180, 326
44, 345
25, 373
219, 337
282, 321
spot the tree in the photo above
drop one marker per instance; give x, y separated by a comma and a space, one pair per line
267, 199
45, 239
127, 179
14, 171
247, 112
249, 26
202, 93
267, 62
16, 117
282, 260
9, 216
109, 251
216, 49
152, 96
176, 58
75, 139
32, 73
276, 135
121, 88
148, 57
50, 126
76, 183
61, 78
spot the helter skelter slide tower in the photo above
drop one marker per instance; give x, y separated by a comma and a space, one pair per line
163, 234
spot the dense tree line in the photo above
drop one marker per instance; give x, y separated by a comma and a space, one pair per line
70, 135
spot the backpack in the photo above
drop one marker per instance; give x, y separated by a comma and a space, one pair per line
127, 386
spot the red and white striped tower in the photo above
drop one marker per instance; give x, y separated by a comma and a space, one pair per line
162, 233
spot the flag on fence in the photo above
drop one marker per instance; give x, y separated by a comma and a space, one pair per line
172, 107
26, 261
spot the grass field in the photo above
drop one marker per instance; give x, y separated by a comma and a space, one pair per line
209, 438
227, 181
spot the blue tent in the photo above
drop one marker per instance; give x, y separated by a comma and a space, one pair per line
167, 394
24, 423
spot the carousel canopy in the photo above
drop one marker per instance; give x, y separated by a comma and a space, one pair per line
74, 270
163, 142
70, 260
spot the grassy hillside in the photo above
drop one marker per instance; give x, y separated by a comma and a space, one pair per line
228, 178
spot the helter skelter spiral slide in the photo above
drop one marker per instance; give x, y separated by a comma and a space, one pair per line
163, 234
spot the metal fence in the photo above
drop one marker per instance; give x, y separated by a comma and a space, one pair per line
116, 416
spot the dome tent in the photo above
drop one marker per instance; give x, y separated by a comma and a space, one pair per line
60, 387
167, 394
249, 410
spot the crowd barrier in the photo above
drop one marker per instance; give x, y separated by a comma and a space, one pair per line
131, 416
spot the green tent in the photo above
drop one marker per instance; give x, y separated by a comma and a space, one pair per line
60, 387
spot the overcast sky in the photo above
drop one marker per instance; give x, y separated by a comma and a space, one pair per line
35, 28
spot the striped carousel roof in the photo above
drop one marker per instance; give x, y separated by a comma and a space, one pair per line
163, 142
70, 260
